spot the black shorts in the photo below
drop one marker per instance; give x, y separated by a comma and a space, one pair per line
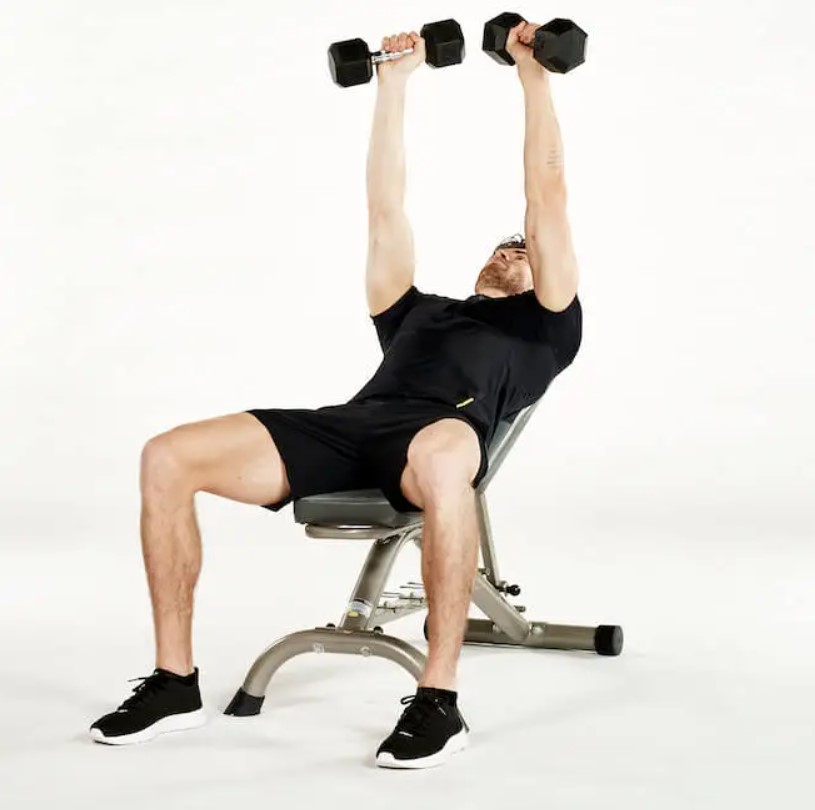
357, 445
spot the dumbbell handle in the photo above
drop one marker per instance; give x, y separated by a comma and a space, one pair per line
388, 56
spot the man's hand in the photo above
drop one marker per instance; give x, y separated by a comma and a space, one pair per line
519, 47
400, 69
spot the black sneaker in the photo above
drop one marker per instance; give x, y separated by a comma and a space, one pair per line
428, 733
162, 702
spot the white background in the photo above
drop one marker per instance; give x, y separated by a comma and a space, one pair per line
182, 235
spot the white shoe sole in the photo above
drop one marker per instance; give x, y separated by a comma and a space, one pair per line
458, 742
173, 722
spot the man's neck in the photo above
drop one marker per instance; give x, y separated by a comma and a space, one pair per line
491, 292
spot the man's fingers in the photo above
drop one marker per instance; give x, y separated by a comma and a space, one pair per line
401, 42
515, 32
528, 33
393, 43
523, 32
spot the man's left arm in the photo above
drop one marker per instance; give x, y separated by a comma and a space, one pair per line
548, 236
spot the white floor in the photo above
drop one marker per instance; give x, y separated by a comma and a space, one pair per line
711, 704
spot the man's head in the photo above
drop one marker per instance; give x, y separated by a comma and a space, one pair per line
507, 271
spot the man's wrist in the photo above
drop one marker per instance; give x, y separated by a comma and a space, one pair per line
534, 79
392, 83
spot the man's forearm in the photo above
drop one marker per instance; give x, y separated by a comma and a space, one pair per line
386, 153
543, 150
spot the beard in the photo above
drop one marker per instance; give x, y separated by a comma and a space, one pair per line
503, 277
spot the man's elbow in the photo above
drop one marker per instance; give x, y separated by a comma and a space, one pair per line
385, 217
547, 193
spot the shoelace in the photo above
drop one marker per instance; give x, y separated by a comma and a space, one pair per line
149, 685
414, 719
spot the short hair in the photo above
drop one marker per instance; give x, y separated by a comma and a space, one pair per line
516, 241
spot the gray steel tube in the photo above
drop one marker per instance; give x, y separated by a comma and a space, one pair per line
492, 603
331, 641
542, 635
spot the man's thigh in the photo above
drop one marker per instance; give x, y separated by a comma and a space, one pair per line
232, 456
319, 447
401, 448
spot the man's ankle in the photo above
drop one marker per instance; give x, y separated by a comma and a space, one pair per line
445, 684
174, 669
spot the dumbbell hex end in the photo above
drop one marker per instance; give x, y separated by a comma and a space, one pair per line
349, 62
496, 32
444, 43
560, 45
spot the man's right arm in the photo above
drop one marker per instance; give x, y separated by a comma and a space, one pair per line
391, 260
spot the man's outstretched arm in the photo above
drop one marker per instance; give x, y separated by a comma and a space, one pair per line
391, 260
548, 236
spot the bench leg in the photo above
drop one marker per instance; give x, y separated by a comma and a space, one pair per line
248, 700
604, 639
506, 626
353, 637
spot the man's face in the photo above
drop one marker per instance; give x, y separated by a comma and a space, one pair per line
506, 271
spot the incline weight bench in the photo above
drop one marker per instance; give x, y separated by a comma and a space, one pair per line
367, 515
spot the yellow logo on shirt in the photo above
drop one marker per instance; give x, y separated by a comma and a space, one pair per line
466, 402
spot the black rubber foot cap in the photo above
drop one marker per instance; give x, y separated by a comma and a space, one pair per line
608, 639
244, 704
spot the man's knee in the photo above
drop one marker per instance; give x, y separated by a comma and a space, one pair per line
442, 457
163, 462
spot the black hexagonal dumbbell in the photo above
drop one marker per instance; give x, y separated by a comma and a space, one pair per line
560, 45
350, 62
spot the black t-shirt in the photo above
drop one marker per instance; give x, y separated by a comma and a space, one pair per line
487, 357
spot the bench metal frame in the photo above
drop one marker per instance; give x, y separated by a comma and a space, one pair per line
360, 629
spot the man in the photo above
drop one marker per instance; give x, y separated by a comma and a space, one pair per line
418, 430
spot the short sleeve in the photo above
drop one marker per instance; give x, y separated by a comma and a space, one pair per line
524, 316
564, 331
388, 321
